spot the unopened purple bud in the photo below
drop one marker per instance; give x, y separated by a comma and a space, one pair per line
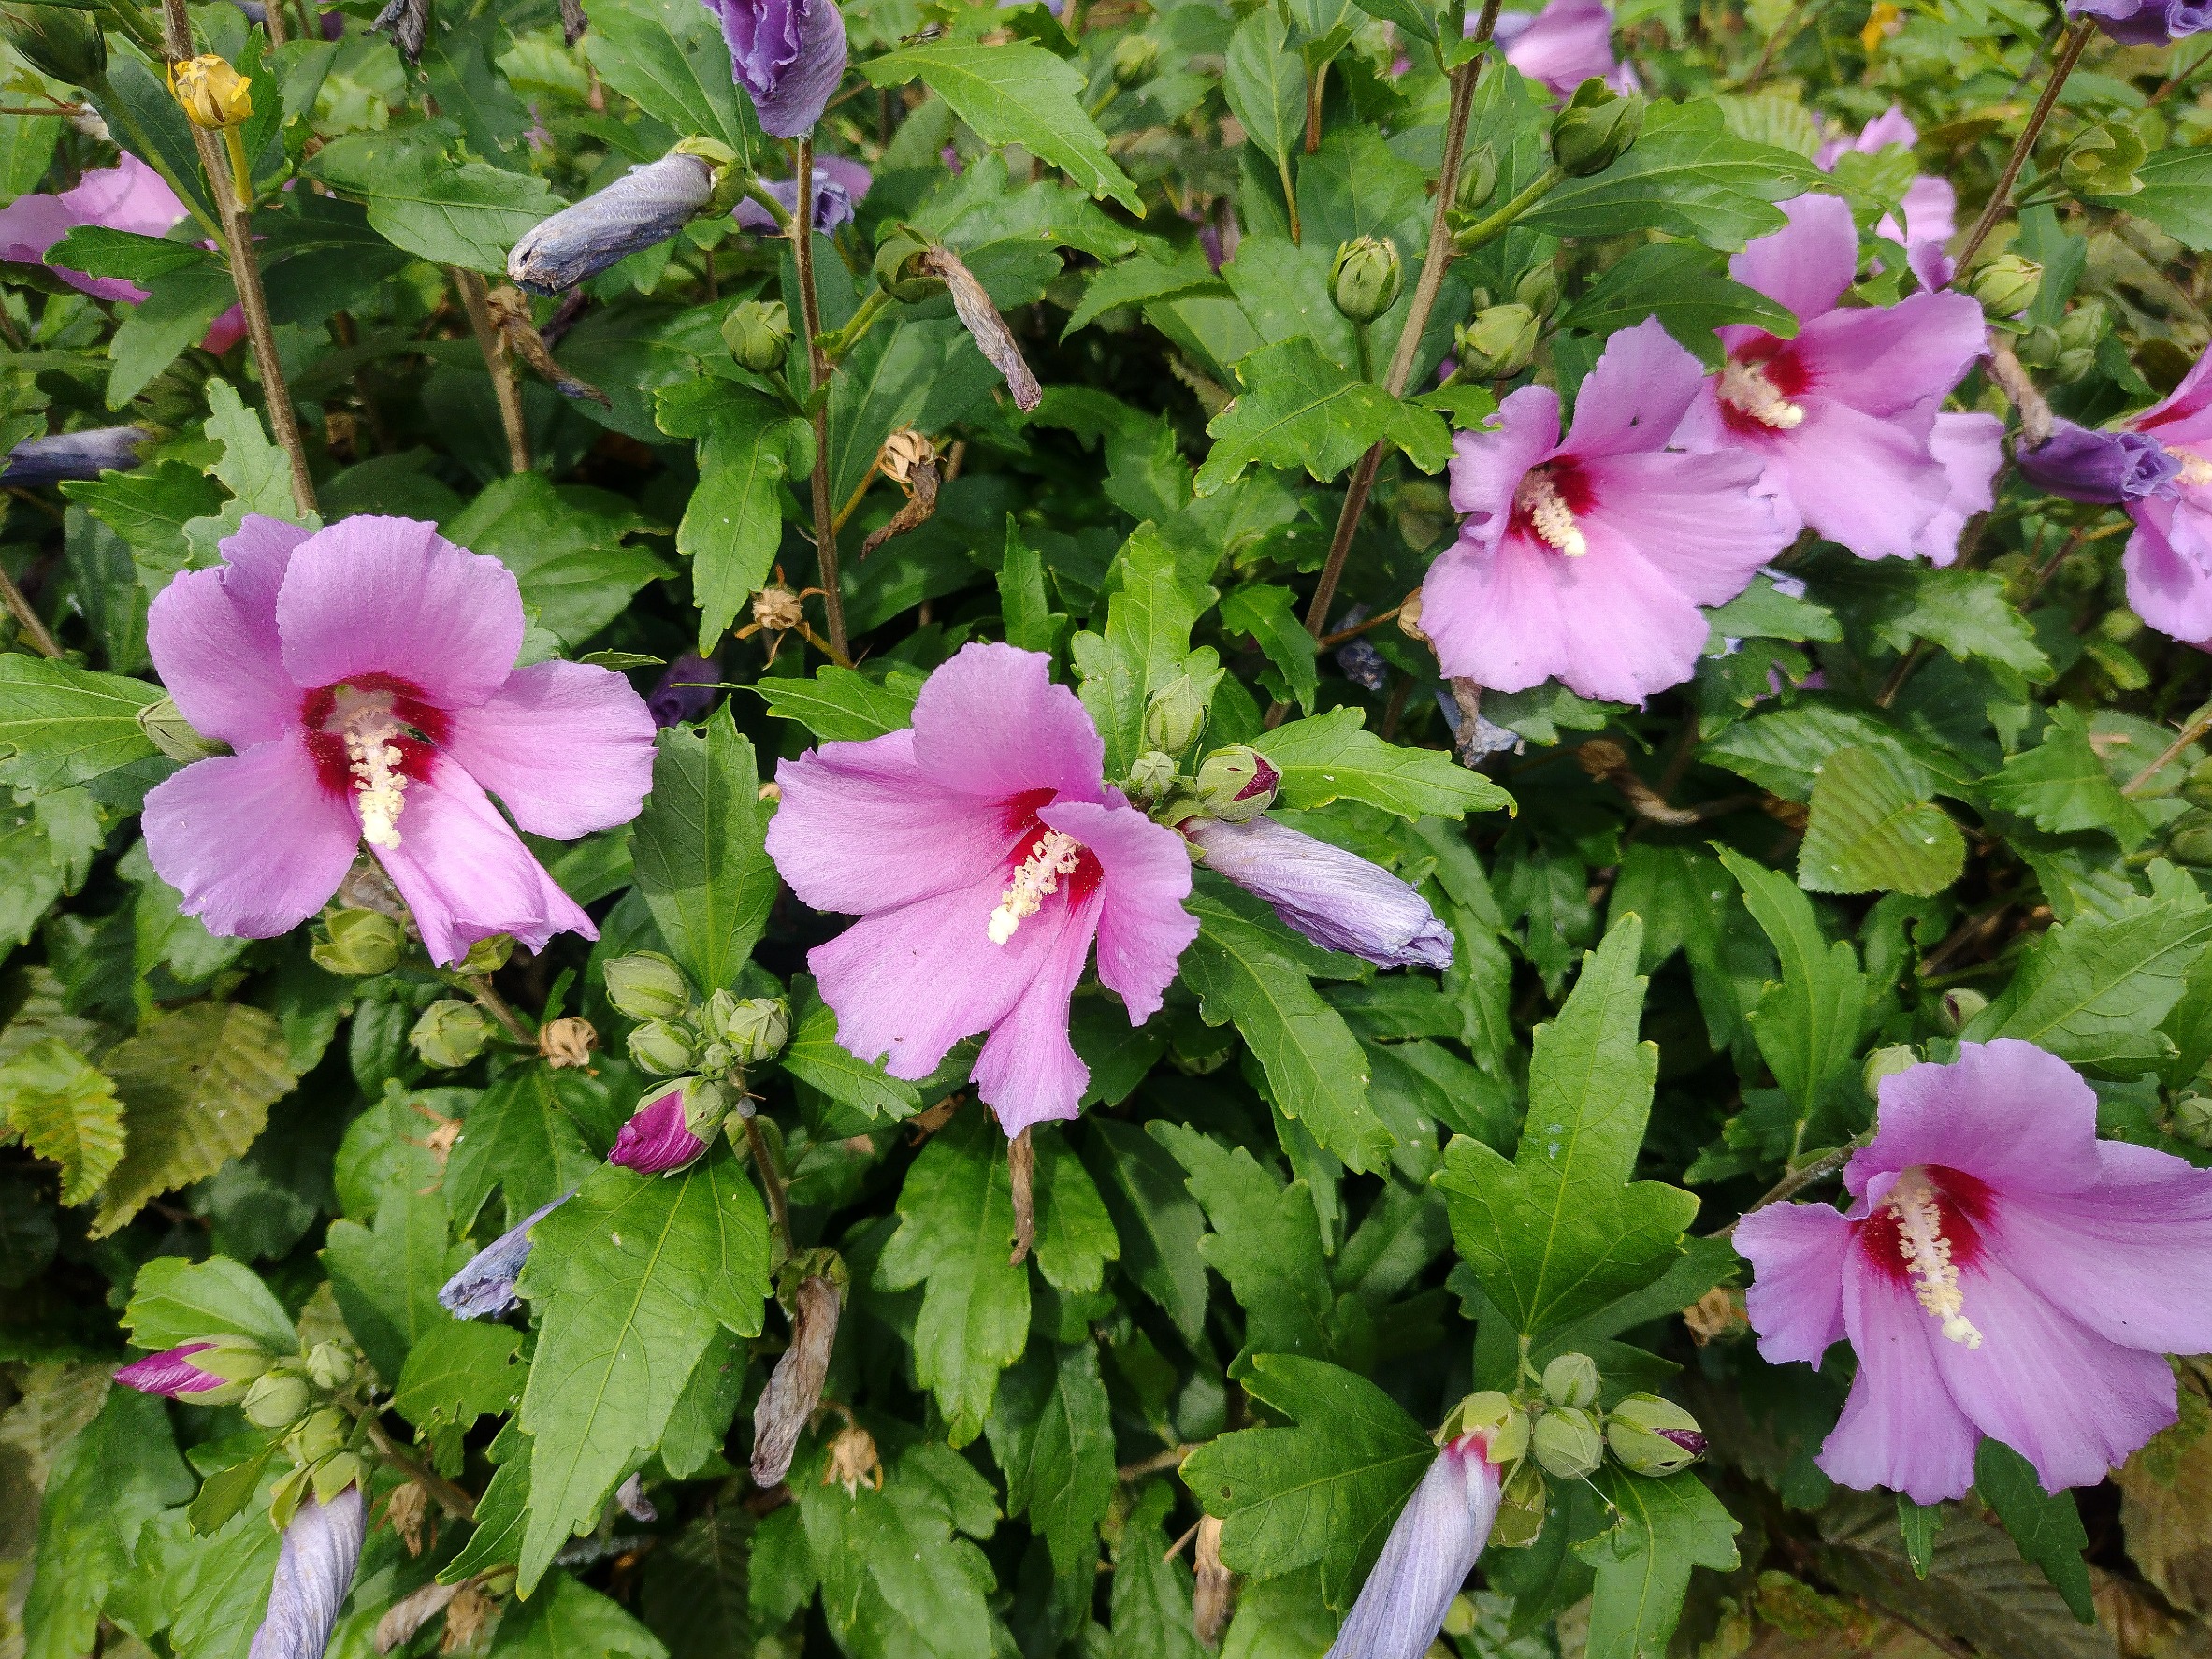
485, 1289
314, 1570
2144, 22
172, 1374
630, 1497
74, 455
838, 183
1336, 899
643, 207
788, 54
671, 1128
686, 691
1432, 1548
1688, 1439
2087, 463
795, 1387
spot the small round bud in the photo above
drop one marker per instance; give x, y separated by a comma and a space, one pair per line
160, 720
1152, 773
1594, 129
1566, 1442
757, 1028
759, 335
897, 269
2119, 624
329, 1365
2196, 788
1494, 1414
1648, 1435
2192, 1119
2102, 160
1365, 279
1885, 1062
1136, 57
323, 1434
1459, 1618
1478, 179
488, 955
1538, 289
1957, 1007
362, 943
57, 40
646, 985
1174, 715
450, 1033
1237, 783
212, 93
2190, 840
662, 1048
2039, 348
1499, 342
2006, 286
1571, 1379
278, 1401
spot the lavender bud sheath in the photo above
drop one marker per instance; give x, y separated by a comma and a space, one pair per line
485, 1287
314, 1570
643, 207
1336, 899
1428, 1555
73, 455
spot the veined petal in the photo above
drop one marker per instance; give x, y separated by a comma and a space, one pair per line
1487, 465
170, 1373
1143, 928
1900, 1428
1635, 396
1885, 359
213, 638
485, 1287
1694, 519
314, 1570
1029, 1072
991, 722
253, 843
1867, 481
1796, 1253
2007, 1113
1806, 265
1432, 1547
1969, 448
2169, 565
566, 747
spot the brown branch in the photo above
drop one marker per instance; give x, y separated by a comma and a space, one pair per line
476, 300
817, 378
2069, 51
34, 628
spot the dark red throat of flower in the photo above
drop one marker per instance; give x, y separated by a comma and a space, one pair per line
1925, 1235
1040, 863
371, 737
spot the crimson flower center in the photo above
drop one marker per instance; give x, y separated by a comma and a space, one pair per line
1040, 860
1756, 388
371, 737
1922, 1234
1548, 503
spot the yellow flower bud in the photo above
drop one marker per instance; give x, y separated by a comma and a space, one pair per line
212, 93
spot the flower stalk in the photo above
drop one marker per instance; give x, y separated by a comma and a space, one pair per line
817, 374
33, 627
2070, 51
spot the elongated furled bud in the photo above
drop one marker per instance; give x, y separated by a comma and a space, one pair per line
1649, 1435
73, 455
211, 94
788, 54
485, 1287
795, 1387
1336, 899
642, 208
1596, 129
1431, 1550
314, 1570
674, 1126
972, 304
450, 1032
2083, 464
204, 1372
685, 693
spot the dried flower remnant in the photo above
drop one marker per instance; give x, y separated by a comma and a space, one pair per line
794, 1388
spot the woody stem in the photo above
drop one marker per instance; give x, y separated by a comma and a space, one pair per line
2069, 51
34, 628
771, 1181
476, 301
818, 379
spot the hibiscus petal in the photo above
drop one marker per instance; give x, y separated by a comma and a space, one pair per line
2183, 418
1900, 1428
1885, 359
1635, 396
862, 828
1865, 481
991, 722
213, 638
391, 596
2007, 1113
568, 747
1028, 1072
253, 842
1693, 518
1487, 465
1795, 1301
1969, 448
1143, 928
2169, 565
1807, 264
1493, 615
466, 874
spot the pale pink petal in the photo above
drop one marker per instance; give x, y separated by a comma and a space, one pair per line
862, 828
2007, 1113
1900, 1428
566, 747
1931, 209
390, 596
1796, 1300
1495, 616
2169, 565
253, 842
1563, 45
466, 874
1969, 448
1885, 359
213, 638
1488, 466
30, 224
1028, 1072
1865, 481
1892, 127
224, 331
991, 722
1143, 929
1694, 518
129, 197
1807, 264
1635, 396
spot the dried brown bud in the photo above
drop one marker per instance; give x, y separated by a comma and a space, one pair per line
778, 608
404, 1513
853, 1461
465, 1618
1410, 617
795, 1387
1213, 1595
903, 452
1716, 1314
410, 1614
1601, 757
567, 1042
1021, 1173
981, 319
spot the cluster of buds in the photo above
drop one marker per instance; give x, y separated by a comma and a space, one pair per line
2068, 352
2005, 287
703, 1048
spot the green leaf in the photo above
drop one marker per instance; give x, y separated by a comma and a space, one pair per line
1297, 408
733, 523
1029, 620
60, 726
1807, 1027
1967, 613
1150, 1604
1157, 1220
1333, 758
1662, 1529
1564, 1230
96, 251
467, 214
668, 58
1245, 968
1270, 614
701, 859
838, 705
1685, 175
174, 1301
386, 1277
816, 1059
1075, 1239
2062, 785
1325, 1490
1265, 1242
65, 1110
1151, 610
459, 1372
175, 313
1784, 751
1918, 1524
571, 1619
564, 546
956, 1232
1870, 832
502, 1514
1688, 288
1142, 279
1052, 1432
1265, 86
149, 507
196, 1085
630, 1278
2176, 196
2046, 1526
696, 1584
534, 1134
895, 1581
1016, 94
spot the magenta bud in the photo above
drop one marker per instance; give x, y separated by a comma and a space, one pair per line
199, 1372
671, 1128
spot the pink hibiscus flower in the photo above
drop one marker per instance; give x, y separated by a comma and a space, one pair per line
1930, 204
1587, 560
2169, 556
1847, 417
983, 852
130, 196
1566, 43
2002, 1271
366, 676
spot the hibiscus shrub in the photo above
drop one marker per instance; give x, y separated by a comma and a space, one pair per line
933, 831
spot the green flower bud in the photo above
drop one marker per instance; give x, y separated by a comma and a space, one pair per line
757, 1030
1520, 1508
278, 1401
1151, 774
1236, 784
1595, 130
335, 1473
450, 1033
2119, 624
1571, 1379
361, 942
1955, 1008
1494, 1414
1885, 1062
2102, 161
488, 955
1648, 1435
329, 1365
2039, 348
1134, 59
1174, 715
1499, 342
2190, 840
57, 40
1566, 1441
662, 1048
897, 272
1538, 289
2192, 1119
2083, 326
717, 1055
1459, 1618
323, 1434
160, 720
1365, 279
1478, 179
646, 985
2196, 788
759, 335
2006, 286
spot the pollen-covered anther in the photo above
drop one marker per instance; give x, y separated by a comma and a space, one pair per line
1745, 388
1927, 1255
2195, 469
367, 726
1539, 499
1050, 856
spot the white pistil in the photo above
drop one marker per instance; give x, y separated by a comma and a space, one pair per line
1927, 1255
365, 723
1051, 857
1547, 509
1744, 387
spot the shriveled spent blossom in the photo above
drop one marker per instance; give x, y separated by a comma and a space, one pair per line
1339, 899
485, 1287
788, 54
641, 210
314, 1570
2001, 1272
366, 676
838, 183
1847, 417
983, 851
795, 1385
1586, 560
1432, 1547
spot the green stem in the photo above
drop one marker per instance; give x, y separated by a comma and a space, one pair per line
1496, 224
757, 192
838, 342
771, 1183
818, 377
2069, 51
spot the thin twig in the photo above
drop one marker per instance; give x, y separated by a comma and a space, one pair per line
453, 1499
2069, 51
480, 987
476, 300
2196, 729
2167, 89
1330, 642
1170, 1458
1827, 1164
817, 376
35, 629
